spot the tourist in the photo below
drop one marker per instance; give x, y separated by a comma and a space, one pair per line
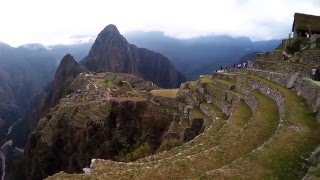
317, 74
313, 73
244, 65
239, 66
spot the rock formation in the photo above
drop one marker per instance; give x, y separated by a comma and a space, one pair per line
98, 115
111, 52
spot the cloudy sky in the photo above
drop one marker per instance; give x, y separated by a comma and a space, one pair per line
72, 21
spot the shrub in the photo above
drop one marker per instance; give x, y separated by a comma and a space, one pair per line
294, 46
169, 144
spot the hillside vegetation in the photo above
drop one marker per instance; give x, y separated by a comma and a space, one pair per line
251, 127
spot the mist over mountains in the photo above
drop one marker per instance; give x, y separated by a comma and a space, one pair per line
27, 69
200, 55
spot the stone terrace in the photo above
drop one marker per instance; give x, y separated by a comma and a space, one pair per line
255, 123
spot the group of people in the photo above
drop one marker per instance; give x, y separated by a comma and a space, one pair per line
315, 74
239, 66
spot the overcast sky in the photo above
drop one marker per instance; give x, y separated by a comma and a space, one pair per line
70, 21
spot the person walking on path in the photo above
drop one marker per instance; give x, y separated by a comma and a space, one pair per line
313, 73
317, 74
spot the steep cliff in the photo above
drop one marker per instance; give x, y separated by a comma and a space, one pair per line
103, 115
66, 71
24, 73
111, 52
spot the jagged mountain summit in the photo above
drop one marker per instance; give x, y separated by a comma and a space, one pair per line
112, 52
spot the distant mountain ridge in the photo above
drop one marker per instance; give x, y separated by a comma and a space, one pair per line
23, 75
200, 55
25, 64
111, 52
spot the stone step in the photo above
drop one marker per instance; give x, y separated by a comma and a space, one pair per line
196, 113
224, 84
211, 130
191, 166
225, 76
283, 67
280, 157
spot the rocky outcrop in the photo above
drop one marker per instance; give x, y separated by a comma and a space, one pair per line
102, 115
111, 52
66, 71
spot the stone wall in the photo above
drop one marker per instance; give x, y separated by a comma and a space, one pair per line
310, 92
251, 101
266, 90
310, 57
224, 76
304, 87
225, 107
166, 101
230, 97
206, 110
279, 78
270, 56
283, 67
213, 91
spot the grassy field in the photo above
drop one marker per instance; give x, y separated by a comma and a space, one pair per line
170, 93
134, 99
280, 158
206, 79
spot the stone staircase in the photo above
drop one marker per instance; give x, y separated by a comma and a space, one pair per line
254, 128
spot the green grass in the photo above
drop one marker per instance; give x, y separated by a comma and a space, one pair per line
105, 82
284, 63
241, 114
300, 144
206, 79
193, 83
215, 86
225, 82
169, 108
134, 99
197, 113
216, 111
168, 144
296, 138
169, 93
239, 147
236, 93
232, 143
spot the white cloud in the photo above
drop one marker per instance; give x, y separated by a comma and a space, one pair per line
51, 22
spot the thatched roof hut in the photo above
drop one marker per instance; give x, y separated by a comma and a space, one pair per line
305, 23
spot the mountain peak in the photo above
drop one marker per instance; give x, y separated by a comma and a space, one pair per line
68, 67
67, 59
111, 28
111, 52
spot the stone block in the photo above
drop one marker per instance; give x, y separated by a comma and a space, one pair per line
292, 80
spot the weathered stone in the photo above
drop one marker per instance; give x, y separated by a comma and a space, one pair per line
292, 80
314, 159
